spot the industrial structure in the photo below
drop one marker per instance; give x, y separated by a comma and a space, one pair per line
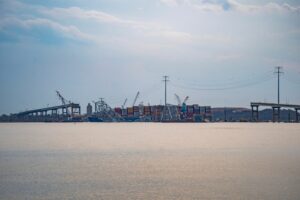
104, 113
275, 106
149, 113
68, 111
275, 110
89, 110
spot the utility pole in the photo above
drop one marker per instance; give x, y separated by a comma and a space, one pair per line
165, 113
278, 72
165, 80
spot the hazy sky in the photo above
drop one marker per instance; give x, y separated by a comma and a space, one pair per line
218, 52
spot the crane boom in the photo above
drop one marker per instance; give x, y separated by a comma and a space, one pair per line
178, 99
124, 103
136, 97
186, 98
63, 101
61, 98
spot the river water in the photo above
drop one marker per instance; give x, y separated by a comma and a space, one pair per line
149, 161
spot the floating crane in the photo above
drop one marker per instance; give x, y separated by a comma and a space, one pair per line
61, 98
179, 100
182, 104
136, 97
63, 101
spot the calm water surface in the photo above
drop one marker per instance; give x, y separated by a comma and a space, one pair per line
149, 161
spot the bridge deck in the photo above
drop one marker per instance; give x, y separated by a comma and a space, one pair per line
71, 105
275, 105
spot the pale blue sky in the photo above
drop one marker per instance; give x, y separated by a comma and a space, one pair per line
218, 52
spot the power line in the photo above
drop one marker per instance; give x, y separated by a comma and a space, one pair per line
292, 77
226, 83
292, 81
222, 88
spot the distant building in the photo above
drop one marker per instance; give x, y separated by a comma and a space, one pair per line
89, 109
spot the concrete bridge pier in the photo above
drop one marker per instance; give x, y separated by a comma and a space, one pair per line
254, 113
276, 113
276, 109
65, 111
75, 110
297, 114
54, 112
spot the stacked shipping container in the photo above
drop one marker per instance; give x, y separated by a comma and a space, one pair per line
194, 113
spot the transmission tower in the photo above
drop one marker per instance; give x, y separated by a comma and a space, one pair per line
166, 115
166, 79
278, 71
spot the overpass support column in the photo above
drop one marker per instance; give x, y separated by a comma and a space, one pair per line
254, 113
54, 112
64, 110
276, 114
